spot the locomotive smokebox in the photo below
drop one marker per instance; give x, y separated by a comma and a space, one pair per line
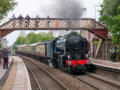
75, 43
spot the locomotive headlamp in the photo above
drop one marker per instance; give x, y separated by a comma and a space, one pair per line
68, 56
69, 63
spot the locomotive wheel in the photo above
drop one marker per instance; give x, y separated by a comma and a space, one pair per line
69, 69
84, 70
61, 67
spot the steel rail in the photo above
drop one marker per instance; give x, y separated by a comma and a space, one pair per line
59, 84
39, 87
86, 83
107, 82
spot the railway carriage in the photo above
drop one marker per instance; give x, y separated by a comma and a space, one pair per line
40, 49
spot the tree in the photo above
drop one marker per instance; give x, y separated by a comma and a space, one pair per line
5, 7
33, 38
110, 15
20, 40
45, 36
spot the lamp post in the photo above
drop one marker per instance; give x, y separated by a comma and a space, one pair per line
49, 26
118, 46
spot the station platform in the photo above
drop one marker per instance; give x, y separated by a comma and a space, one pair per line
16, 76
106, 63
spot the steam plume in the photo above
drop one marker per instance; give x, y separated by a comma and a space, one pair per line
68, 9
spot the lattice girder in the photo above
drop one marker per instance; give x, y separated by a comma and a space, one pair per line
55, 24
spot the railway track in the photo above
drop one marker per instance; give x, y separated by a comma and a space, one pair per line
66, 79
90, 81
105, 78
99, 82
109, 72
44, 80
33, 79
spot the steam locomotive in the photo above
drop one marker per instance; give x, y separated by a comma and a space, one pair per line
68, 53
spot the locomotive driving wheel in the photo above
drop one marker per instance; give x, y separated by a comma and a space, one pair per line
84, 70
69, 69
61, 66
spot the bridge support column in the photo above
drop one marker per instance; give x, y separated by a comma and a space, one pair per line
103, 50
106, 51
98, 47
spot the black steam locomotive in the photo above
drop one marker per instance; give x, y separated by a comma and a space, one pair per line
71, 53
68, 53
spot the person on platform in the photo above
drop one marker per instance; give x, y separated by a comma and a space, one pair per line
5, 56
113, 54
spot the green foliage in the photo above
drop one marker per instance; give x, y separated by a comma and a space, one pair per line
79, 33
5, 6
20, 40
110, 14
1, 45
95, 42
33, 38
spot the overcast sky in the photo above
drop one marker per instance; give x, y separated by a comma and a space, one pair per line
43, 8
